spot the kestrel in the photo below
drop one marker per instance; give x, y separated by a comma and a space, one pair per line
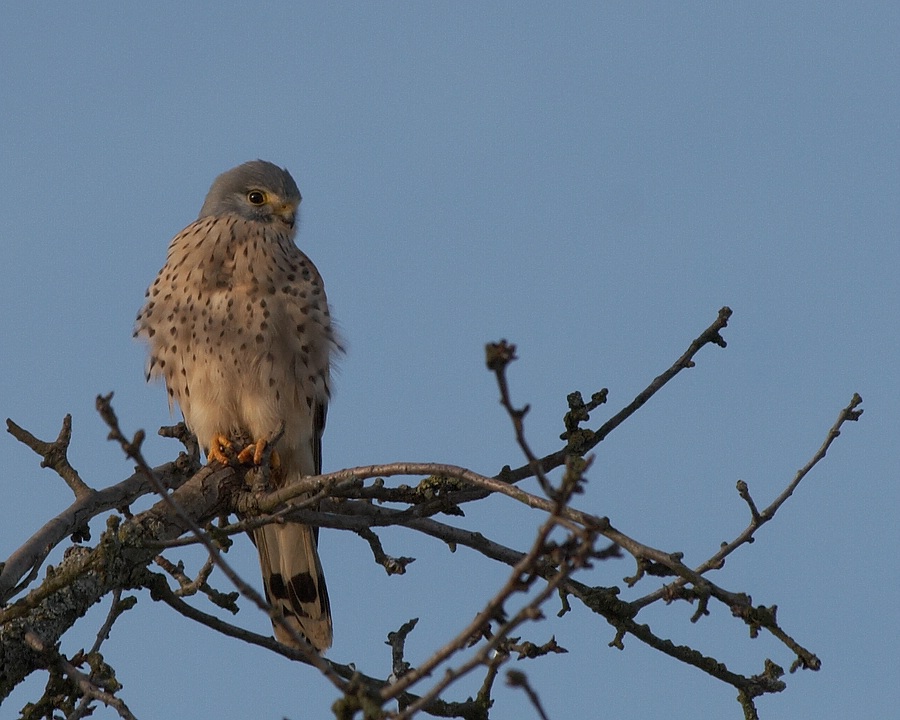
238, 326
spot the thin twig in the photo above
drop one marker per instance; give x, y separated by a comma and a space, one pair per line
86, 685
391, 565
498, 357
710, 336
54, 454
518, 679
849, 414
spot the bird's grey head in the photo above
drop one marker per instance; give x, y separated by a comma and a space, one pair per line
257, 190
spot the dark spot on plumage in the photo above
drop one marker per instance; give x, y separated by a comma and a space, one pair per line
303, 587
271, 382
173, 330
260, 339
276, 587
309, 402
171, 392
270, 357
264, 325
150, 332
305, 310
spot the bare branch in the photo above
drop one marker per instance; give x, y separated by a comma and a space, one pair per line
397, 641
498, 357
518, 679
54, 454
87, 685
589, 439
29, 557
849, 413
391, 565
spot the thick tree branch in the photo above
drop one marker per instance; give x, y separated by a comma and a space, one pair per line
86, 575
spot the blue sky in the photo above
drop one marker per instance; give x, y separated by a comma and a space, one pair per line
591, 182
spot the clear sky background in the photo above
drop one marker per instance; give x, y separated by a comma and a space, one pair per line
593, 182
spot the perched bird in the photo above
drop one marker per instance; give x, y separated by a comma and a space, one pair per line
238, 326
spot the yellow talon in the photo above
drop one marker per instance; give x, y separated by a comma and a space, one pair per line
253, 452
217, 449
221, 450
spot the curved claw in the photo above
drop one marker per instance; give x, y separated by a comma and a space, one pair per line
253, 453
217, 449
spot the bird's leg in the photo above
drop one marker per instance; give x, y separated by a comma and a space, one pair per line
275, 464
218, 448
253, 453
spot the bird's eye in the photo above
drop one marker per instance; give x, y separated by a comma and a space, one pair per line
256, 197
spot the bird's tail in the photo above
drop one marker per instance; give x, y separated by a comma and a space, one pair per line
294, 582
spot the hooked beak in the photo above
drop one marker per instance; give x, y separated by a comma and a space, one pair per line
288, 214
